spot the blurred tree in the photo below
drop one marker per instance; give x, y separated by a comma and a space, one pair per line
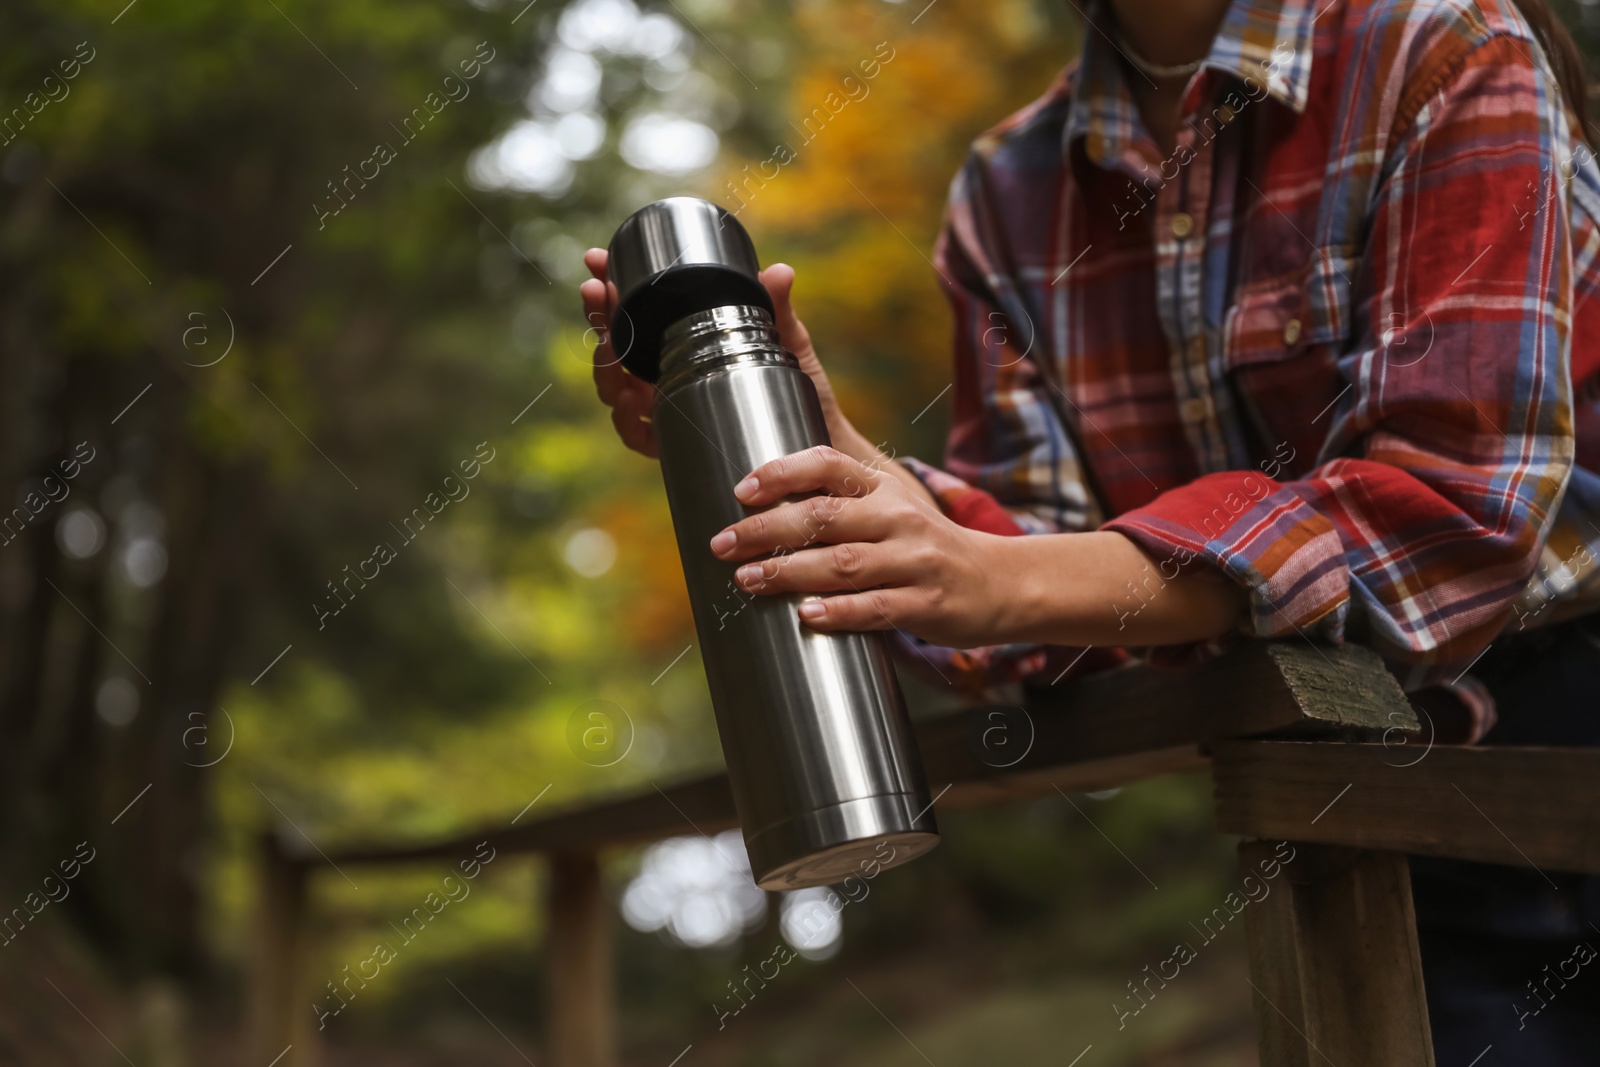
234, 265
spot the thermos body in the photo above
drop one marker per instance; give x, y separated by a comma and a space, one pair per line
815, 732
820, 754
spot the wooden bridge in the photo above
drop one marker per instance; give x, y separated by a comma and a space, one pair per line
1305, 743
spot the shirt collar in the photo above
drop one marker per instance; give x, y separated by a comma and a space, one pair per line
1260, 41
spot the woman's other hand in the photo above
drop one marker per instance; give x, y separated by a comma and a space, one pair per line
632, 399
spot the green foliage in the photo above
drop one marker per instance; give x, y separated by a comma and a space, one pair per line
199, 189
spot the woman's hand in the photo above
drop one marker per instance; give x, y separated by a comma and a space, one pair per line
880, 555
631, 399
885, 555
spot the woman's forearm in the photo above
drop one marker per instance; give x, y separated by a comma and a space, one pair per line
1102, 589
1096, 588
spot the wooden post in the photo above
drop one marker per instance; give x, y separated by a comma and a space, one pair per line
279, 1012
578, 924
1334, 961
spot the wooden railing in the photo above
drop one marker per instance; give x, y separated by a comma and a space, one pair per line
1309, 744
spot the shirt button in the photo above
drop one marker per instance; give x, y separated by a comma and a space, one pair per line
1291, 331
1182, 225
1193, 410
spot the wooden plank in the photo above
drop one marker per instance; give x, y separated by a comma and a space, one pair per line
1117, 727
703, 803
278, 1011
1109, 772
1297, 688
1120, 715
1526, 807
1102, 730
1258, 687
578, 933
1334, 965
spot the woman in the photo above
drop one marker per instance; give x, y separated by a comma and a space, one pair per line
1268, 319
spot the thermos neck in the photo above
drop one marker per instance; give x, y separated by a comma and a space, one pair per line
717, 338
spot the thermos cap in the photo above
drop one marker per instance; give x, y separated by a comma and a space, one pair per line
669, 260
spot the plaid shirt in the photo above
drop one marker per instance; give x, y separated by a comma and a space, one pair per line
1327, 346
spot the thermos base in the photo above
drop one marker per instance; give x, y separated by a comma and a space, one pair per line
863, 859
827, 845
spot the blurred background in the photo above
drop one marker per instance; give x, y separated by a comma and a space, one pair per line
282, 282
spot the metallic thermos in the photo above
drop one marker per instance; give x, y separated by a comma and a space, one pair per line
819, 748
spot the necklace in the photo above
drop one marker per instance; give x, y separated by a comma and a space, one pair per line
1155, 70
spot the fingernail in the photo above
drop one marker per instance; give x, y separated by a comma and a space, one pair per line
813, 609
747, 575
723, 541
747, 487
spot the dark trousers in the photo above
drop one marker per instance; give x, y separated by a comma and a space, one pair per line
1500, 945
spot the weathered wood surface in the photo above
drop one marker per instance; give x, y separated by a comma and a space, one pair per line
1300, 689
1095, 732
1333, 959
1526, 807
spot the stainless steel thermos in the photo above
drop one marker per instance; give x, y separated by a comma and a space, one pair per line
820, 754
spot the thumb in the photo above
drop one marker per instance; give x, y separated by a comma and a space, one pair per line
779, 280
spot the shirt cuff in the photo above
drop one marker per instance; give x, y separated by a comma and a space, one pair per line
976, 673
966, 506
1283, 552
